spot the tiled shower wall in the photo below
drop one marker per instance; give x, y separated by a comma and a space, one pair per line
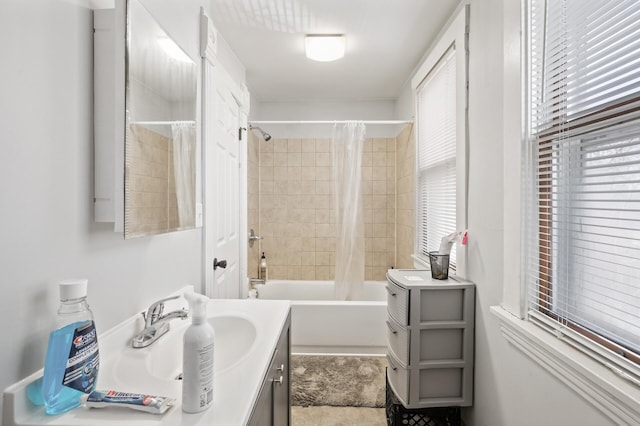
405, 203
293, 210
150, 203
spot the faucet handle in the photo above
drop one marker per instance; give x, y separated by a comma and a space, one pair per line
155, 310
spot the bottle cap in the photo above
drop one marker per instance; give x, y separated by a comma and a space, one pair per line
197, 306
73, 289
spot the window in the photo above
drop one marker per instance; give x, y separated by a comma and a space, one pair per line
582, 175
436, 157
440, 93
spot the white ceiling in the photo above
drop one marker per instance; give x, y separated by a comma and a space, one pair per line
385, 41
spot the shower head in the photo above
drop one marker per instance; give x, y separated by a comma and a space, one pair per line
266, 136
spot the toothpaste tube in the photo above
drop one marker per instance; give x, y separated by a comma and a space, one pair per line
136, 401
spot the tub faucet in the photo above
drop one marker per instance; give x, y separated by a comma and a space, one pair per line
155, 323
256, 281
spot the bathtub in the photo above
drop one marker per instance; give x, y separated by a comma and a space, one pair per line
320, 324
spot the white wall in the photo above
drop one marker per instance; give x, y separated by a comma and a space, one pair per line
404, 103
46, 183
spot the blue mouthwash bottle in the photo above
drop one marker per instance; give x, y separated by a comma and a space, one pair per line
72, 361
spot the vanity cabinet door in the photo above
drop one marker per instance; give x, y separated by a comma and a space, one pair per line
262, 411
273, 407
281, 382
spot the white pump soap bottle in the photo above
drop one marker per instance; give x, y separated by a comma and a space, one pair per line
197, 357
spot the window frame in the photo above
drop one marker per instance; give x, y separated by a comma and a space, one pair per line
456, 34
545, 316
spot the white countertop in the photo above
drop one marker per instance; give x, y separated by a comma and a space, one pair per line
236, 386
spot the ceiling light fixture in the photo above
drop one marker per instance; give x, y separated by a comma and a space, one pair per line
324, 47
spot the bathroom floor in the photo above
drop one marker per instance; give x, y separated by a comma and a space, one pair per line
337, 416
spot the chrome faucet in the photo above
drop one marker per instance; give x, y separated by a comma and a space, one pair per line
155, 323
254, 281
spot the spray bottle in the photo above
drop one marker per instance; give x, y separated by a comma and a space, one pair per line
197, 357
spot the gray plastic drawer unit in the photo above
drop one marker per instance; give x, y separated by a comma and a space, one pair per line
430, 334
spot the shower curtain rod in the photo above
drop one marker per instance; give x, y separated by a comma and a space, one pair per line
333, 122
162, 123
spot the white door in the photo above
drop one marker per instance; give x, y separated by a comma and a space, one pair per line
221, 183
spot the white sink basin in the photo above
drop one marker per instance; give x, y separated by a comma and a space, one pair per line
234, 339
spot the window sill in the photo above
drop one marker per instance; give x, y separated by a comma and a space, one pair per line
614, 396
420, 263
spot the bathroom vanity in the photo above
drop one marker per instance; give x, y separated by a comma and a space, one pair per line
251, 371
430, 334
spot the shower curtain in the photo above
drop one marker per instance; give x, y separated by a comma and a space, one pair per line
346, 146
184, 166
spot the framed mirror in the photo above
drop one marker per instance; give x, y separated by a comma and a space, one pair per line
160, 127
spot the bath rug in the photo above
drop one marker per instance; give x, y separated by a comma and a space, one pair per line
339, 381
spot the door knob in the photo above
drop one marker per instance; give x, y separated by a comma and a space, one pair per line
219, 263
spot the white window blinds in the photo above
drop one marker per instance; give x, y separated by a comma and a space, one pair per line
582, 194
436, 156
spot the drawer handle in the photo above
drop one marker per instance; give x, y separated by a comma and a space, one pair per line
393, 367
279, 381
391, 328
390, 291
